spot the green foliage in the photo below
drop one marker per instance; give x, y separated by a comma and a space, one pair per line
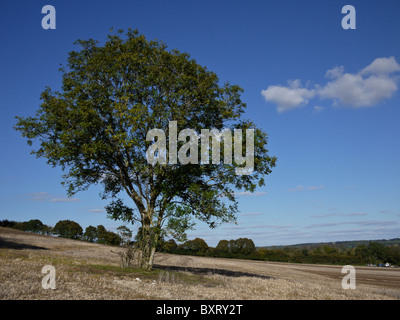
365, 252
107, 237
222, 247
168, 246
373, 253
243, 248
68, 229
8, 224
90, 234
197, 246
125, 234
95, 130
34, 225
100, 235
239, 248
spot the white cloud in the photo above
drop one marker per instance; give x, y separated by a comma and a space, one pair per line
288, 98
317, 109
366, 88
270, 226
339, 214
250, 194
97, 210
356, 214
316, 187
39, 196
357, 91
334, 73
64, 200
298, 188
376, 223
252, 214
382, 66
301, 188
44, 196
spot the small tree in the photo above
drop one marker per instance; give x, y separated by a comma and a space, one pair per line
246, 246
101, 233
34, 225
107, 237
90, 234
196, 246
125, 233
112, 239
128, 252
68, 229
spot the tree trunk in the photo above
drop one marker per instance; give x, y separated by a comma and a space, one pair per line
149, 240
146, 247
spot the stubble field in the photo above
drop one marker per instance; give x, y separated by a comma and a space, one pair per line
86, 271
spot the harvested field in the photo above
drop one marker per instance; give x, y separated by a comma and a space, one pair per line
86, 271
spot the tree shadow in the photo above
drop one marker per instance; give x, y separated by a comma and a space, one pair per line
207, 271
7, 244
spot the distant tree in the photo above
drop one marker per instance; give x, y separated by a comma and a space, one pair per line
304, 252
246, 245
377, 251
101, 234
20, 225
329, 250
68, 229
169, 246
222, 246
196, 246
34, 225
393, 255
112, 239
363, 252
48, 230
242, 246
90, 234
107, 237
8, 224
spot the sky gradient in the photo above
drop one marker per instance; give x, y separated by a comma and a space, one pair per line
327, 97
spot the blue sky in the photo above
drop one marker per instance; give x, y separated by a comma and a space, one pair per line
327, 97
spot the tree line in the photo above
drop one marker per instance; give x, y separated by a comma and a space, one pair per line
374, 253
67, 229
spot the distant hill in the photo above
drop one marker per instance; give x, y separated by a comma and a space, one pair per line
337, 244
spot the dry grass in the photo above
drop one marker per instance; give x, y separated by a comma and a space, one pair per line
87, 271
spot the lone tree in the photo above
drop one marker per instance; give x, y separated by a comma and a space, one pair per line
68, 229
95, 128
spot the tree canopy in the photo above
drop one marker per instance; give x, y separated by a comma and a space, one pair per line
68, 229
96, 129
